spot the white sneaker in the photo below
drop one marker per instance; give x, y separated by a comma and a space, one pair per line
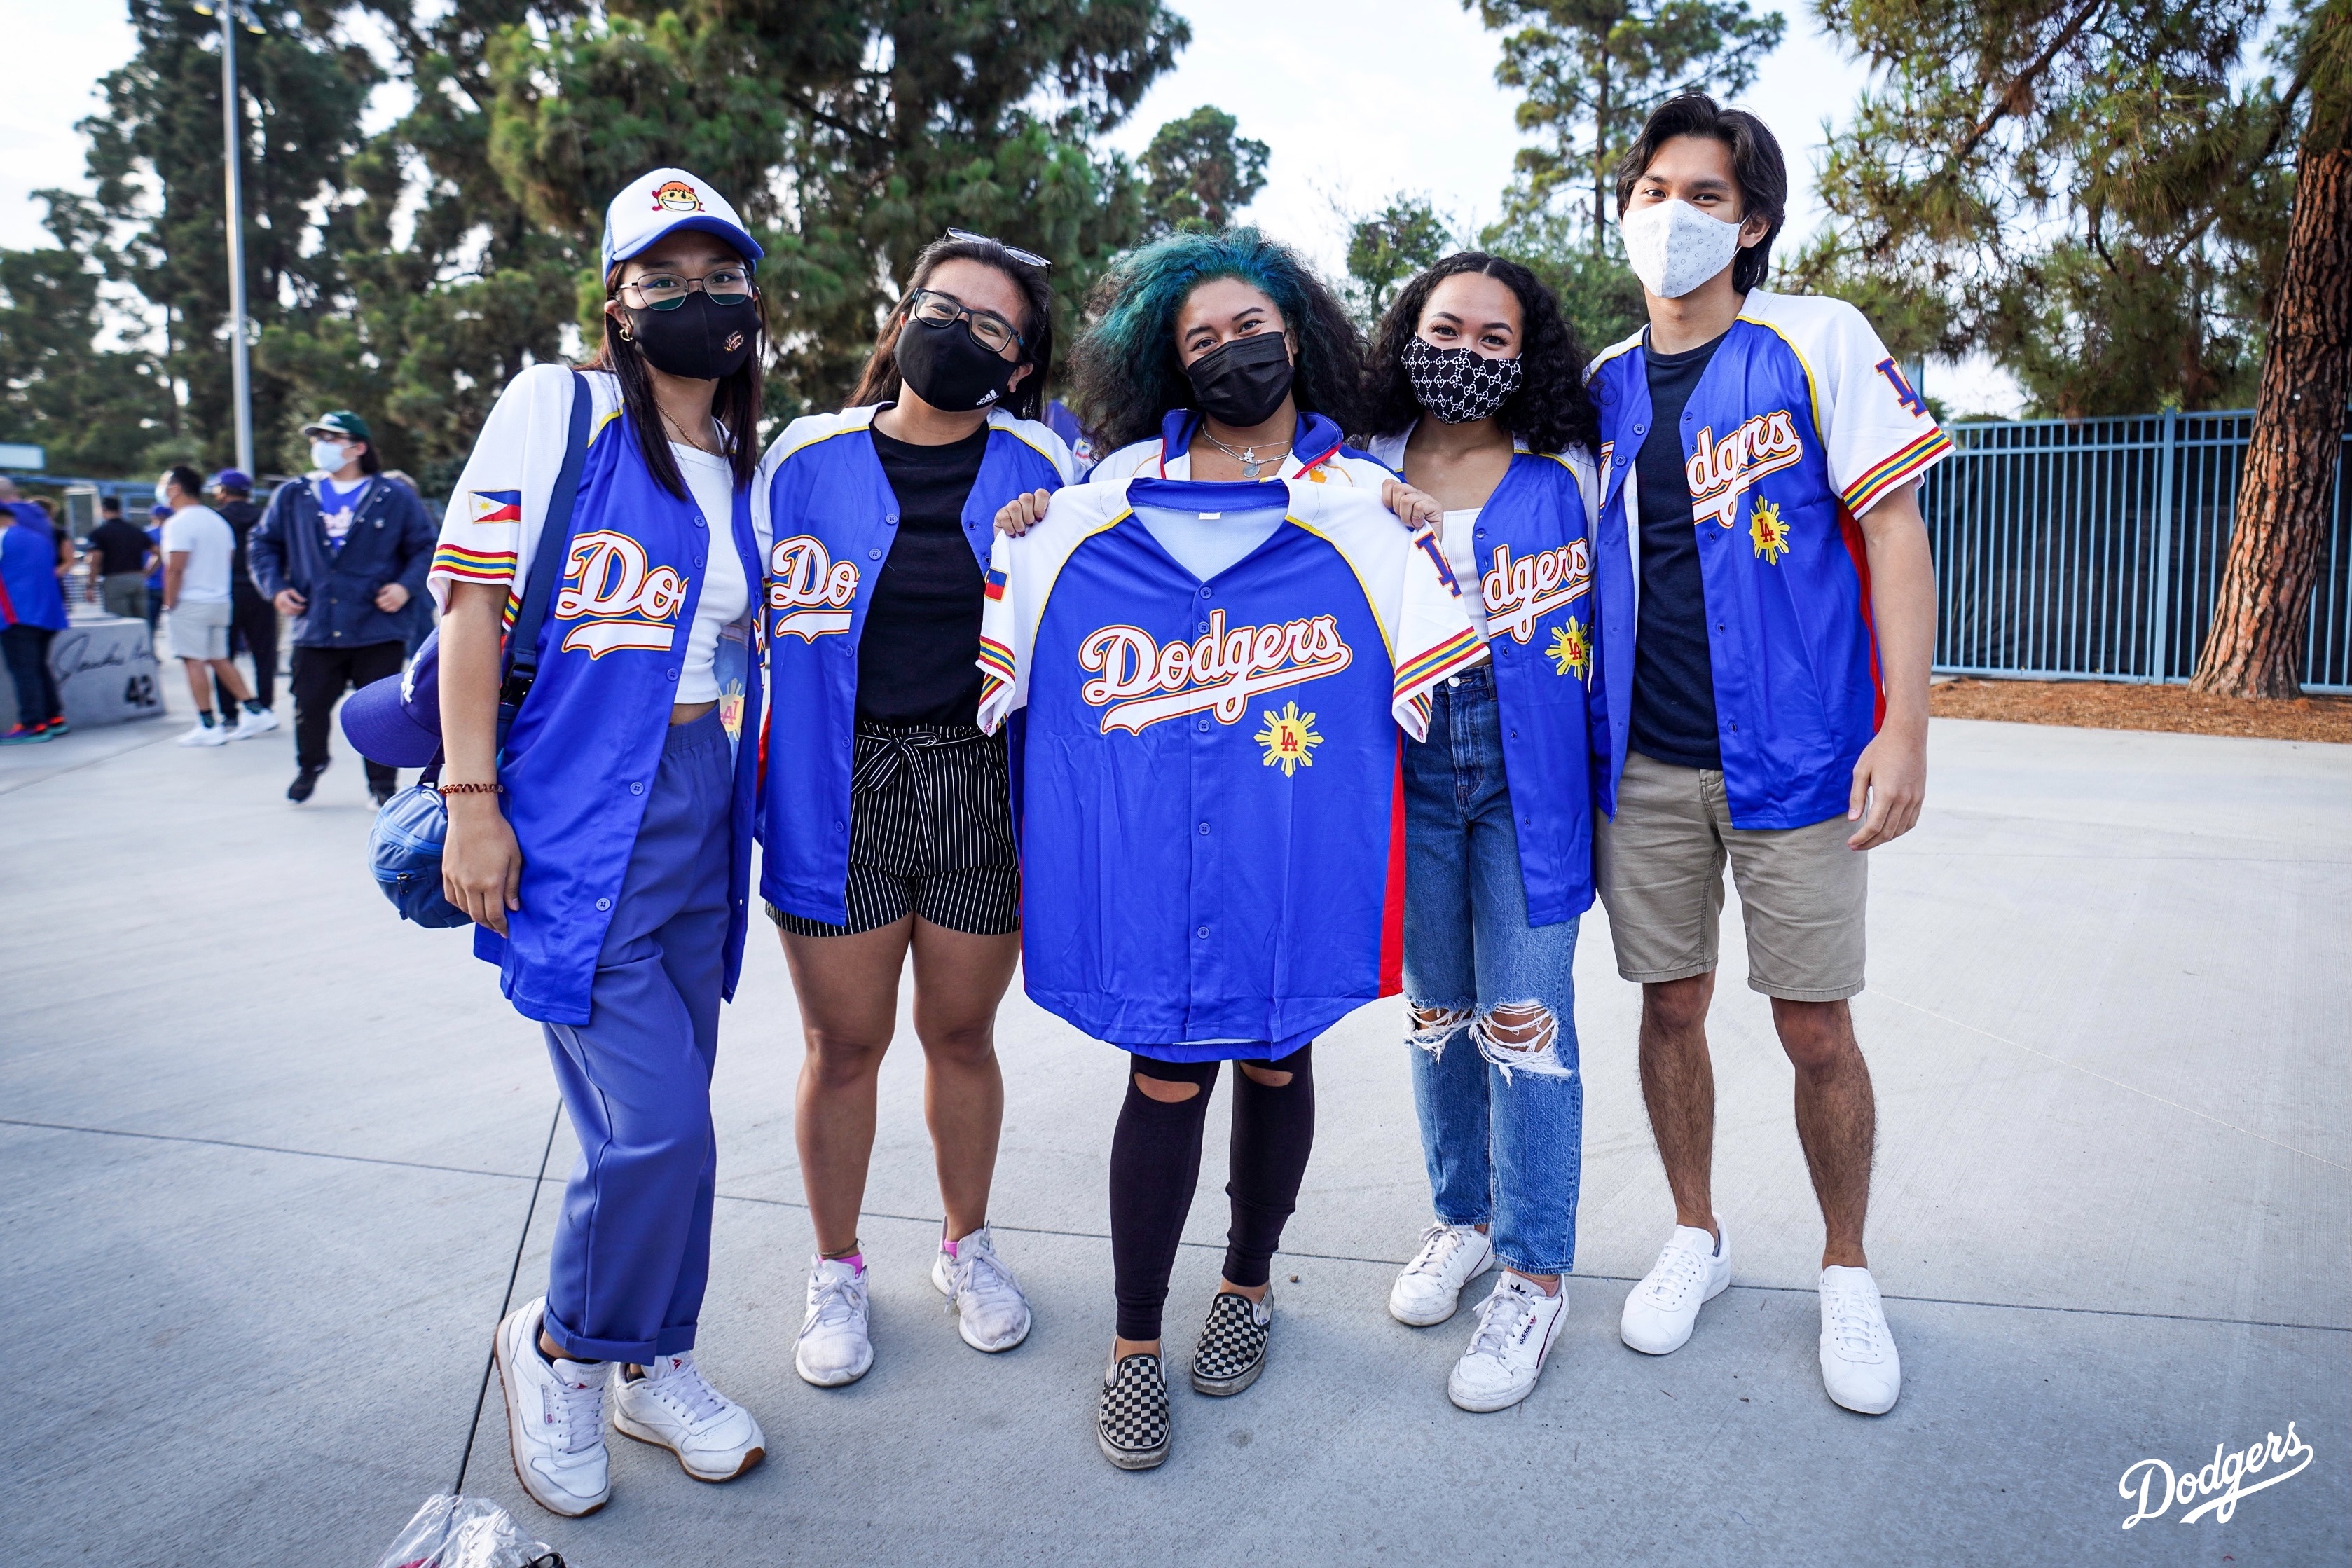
1516, 1325
673, 1406
203, 734
1859, 1366
555, 1418
1693, 1271
834, 1348
992, 1315
1429, 1288
249, 724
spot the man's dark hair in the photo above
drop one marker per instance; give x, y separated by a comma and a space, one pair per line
1756, 163
186, 480
112, 504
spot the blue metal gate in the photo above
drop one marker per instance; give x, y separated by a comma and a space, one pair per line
2093, 550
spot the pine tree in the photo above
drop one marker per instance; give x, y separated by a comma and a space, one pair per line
96, 411
1197, 172
1388, 246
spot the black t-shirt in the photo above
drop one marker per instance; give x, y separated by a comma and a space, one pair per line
918, 658
1673, 673
241, 517
121, 548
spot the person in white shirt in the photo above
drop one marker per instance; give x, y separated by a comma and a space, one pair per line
198, 545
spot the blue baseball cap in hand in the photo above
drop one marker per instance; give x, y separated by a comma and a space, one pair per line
397, 721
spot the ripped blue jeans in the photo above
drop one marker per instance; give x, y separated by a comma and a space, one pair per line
1492, 1000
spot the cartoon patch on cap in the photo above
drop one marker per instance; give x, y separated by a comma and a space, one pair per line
677, 196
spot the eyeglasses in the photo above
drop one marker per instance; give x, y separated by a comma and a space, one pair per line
989, 330
1026, 257
667, 291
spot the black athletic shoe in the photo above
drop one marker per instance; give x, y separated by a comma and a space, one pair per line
304, 782
1131, 1421
1232, 1351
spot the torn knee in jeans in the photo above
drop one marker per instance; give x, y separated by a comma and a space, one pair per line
1428, 1027
1521, 1035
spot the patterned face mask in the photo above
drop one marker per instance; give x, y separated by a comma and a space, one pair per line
1458, 385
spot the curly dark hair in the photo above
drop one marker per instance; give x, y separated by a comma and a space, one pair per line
1549, 412
1125, 371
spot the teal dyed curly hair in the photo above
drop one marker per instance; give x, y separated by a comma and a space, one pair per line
1124, 373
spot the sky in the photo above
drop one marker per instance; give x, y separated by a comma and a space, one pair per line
1357, 99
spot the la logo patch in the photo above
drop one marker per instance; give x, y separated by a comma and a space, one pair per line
1290, 739
1571, 650
1768, 532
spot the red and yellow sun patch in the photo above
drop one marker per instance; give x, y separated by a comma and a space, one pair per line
1768, 532
1290, 739
1571, 650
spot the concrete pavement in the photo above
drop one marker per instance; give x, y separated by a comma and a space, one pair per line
266, 1150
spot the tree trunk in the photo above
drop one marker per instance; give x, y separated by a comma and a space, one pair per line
2263, 609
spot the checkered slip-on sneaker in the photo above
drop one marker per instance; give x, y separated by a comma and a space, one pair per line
1232, 1351
1131, 1423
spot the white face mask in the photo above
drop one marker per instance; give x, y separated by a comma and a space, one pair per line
162, 495
1674, 247
327, 455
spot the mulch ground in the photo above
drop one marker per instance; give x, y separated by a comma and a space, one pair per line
2102, 705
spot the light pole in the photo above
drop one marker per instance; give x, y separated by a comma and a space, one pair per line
232, 13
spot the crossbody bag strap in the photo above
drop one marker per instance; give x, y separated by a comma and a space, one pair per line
547, 562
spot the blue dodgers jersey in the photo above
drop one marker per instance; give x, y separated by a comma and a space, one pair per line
834, 517
1801, 423
1211, 805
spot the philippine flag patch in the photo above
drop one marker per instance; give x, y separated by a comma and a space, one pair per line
996, 584
498, 506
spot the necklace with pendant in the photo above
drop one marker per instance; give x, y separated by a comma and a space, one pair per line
1251, 464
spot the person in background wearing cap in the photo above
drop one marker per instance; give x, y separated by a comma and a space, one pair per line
343, 554
32, 613
603, 847
252, 618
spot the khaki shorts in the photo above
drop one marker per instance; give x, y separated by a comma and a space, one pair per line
197, 630
1660, 868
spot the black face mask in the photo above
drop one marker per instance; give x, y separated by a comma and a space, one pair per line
1242, 382
950, 369
698, 339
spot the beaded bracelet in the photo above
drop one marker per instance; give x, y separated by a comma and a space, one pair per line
472, 788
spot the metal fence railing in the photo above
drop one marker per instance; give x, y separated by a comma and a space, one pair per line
2094, 548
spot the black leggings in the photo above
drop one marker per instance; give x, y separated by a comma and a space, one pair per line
1155, 1164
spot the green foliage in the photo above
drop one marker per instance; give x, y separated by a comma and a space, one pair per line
1598, 293
1592, 70
2096, 194
1388, 246
1197, 172
96, 410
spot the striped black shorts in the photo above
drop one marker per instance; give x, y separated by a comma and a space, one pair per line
930, 834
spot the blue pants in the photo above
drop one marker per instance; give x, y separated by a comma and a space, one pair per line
1500, 1099
632, 1247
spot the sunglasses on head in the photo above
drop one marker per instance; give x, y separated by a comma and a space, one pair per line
1026, 257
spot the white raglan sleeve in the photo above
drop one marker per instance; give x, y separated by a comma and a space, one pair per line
1004, 639
1876, 429
493, 520
1431, 632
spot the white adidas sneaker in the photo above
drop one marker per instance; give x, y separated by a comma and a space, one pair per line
1429, 1288
835, 1347
1516, 1326
1859, 1364
992, 1315
555, 1418
1693, 1269
674, 1406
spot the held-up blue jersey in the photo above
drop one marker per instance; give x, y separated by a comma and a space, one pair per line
1212, 806
1546, 599
1802, 423
834, 519
1318, 454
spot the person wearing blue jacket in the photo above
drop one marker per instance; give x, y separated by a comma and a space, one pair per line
886, 815
32, 613
342, 552
602, 841
1475, 389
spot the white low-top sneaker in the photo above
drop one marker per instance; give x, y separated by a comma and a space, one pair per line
1516, 1325
1693, 1271
674, 1406
555, 1418
992, 1315
834, 1347
249, 724
1429, 1288
203, 734
1859, 1366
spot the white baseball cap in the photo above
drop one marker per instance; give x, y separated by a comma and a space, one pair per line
654, 204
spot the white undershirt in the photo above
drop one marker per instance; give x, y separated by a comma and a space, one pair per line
1461, 533
710, 480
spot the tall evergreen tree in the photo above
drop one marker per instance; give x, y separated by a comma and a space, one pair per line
1387, 247
96, 411
1199, 171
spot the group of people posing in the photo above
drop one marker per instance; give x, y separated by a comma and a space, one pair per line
1344, 670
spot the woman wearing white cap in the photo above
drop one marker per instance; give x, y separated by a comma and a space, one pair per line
602, 843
